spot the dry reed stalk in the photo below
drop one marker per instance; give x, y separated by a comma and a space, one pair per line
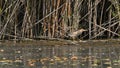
57, 18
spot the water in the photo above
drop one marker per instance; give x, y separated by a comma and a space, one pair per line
65, 56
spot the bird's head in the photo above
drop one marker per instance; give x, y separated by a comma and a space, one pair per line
82, 30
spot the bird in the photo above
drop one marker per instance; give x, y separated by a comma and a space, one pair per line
75, 34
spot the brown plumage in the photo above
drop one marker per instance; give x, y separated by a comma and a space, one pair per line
75, 34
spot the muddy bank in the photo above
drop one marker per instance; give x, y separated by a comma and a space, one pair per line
63, 42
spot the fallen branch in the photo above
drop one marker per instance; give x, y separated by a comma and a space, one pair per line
108, 30
105, 30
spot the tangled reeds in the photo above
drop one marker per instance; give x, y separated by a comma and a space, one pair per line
21, 19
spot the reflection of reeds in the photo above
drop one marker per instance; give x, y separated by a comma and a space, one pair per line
94, 56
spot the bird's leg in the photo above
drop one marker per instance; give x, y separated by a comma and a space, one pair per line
73, 38
77, 38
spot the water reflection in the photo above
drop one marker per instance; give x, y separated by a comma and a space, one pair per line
66, 56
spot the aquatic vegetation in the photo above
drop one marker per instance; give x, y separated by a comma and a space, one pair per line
57, 19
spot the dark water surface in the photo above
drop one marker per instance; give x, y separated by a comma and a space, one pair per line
65, 56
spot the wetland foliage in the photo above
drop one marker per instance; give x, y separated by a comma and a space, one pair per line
34, 19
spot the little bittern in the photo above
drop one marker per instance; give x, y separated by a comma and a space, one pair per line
75, 34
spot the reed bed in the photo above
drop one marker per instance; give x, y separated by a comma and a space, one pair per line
30, 19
